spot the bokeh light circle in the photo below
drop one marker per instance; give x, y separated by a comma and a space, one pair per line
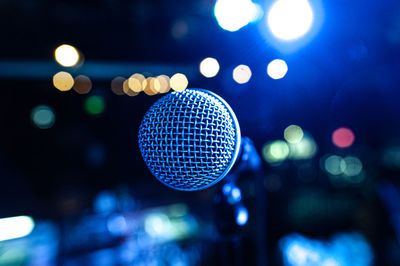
66, 55
43, 116
241, 74
179, 82
277, 69
343, 137
290, 19
95, 105
209, 67
293, 134
63, 81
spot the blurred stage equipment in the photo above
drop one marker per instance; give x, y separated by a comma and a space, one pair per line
190, 139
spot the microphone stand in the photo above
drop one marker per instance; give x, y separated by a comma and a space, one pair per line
248, 160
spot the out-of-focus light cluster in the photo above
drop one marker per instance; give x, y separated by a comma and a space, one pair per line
150, 86
15, 227
241, 74
232, 15
347, 170
277, 69
209, 67
43, 116
63, 81
298, 146
290, 19
67, 55
343, 137
343, 250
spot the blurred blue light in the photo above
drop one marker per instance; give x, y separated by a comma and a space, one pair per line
242, 216
290, 19
15, 227
344, 250
105, 202
116, 225
235, 14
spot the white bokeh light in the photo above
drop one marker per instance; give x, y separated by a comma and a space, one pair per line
290, 19
66, 55
209, 67
242, 74
277, 69
232, 15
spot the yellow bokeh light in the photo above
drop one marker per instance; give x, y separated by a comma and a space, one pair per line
117, 85
164, 82
242, 74
148, 86
66, 55
135, 82
293, 134
82, 84
179, 82
127, 90
63, 81
209, 67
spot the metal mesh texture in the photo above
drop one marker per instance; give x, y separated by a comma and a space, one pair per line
188, 139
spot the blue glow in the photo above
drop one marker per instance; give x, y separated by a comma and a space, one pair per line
117, 225
290, 19
344, 250
242, 216
235, 14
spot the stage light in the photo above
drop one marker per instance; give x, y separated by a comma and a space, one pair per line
343, 137
241, 74
43, 116
82, 84
63, 81
290, 19
135, 82
293, 134
242, 216
15, 227
232, 15
179, 82
275, 151
209, 67
117, 85
277, 69
66, 55
334, 165
95, 105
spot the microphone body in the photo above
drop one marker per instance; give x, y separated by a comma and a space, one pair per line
190, 139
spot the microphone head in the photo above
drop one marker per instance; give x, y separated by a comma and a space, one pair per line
190, 139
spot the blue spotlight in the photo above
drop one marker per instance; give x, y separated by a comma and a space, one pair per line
235, 14
290, 19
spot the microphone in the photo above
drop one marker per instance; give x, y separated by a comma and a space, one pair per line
190, 139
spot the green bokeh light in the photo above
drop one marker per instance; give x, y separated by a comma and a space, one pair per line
95, 105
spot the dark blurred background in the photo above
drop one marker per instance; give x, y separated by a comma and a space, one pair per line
327, 129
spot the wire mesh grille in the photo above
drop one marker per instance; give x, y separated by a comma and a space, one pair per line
188, 139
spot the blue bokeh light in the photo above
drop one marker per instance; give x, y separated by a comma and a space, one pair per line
242, 216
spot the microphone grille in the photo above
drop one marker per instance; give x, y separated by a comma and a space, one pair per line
189, 139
